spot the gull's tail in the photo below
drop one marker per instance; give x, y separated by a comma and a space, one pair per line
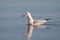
47, 19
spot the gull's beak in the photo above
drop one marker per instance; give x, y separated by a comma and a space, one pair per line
23, 15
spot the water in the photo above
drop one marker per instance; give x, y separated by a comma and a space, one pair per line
13, 26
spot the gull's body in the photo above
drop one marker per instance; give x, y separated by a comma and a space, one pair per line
34, 22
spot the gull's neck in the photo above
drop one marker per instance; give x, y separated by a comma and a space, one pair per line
30, 19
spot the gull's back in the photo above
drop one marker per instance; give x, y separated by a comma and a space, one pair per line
38, 22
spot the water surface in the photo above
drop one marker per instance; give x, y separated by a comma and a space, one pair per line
13, 26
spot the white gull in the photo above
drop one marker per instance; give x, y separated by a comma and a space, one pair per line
34, 22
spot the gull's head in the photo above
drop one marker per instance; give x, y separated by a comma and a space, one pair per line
27, 14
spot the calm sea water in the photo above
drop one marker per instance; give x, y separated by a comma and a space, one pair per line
13, 26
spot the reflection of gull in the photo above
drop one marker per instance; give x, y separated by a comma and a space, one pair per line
29, 33
35, 22
30, 29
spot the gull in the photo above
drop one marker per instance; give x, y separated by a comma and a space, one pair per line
34, 22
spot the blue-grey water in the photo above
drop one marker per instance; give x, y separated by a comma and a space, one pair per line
13, 26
